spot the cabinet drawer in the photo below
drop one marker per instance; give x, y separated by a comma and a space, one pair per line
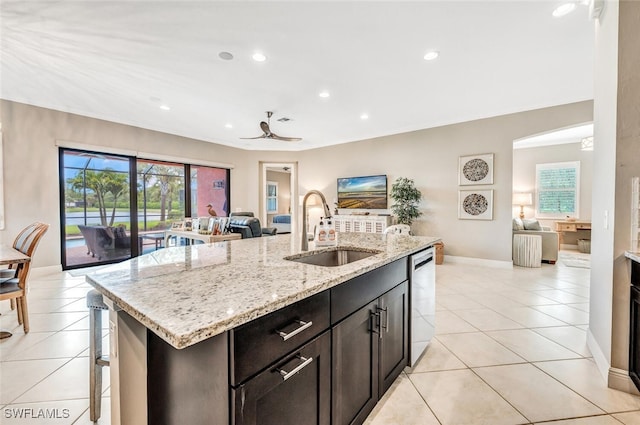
359, 291
294, 391
566, 227
262, 341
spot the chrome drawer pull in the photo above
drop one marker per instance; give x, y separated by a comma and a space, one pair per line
305, 361
386, 317
303, 325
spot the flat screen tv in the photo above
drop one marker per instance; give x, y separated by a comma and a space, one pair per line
366, 192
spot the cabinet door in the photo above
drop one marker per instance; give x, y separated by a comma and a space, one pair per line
394, 335
295, 391
355, 366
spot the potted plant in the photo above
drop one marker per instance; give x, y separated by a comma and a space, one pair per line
406, 199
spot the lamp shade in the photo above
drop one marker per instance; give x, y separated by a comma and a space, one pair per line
524, 198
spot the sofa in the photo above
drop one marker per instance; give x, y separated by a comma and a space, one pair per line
282, 223
106, 241
549, 238
248, 226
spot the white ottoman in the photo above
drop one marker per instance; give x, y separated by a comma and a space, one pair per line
527, 250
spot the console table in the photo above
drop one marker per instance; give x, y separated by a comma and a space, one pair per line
362, 223
572, 227
191, 235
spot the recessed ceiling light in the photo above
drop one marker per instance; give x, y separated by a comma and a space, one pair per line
259, 57
228, 125
323, 93
563, 9
364, 117
429, 56
165, 107
225, 56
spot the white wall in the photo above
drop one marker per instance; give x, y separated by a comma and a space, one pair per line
605, 108
627, 165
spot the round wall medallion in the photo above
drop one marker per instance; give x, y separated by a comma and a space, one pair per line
475, 170
475, 204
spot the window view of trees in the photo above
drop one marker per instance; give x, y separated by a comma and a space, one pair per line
557, 188
160, 194
101, 189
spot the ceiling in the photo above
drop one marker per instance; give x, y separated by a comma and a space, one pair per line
121, 61
573, 134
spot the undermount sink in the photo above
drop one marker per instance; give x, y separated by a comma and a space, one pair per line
333, 257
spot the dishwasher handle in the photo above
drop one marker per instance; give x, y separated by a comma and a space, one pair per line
422, 259
423, 263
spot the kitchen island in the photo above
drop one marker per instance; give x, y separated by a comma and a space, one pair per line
194, 329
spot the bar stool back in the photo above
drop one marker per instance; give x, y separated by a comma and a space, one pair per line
95, 304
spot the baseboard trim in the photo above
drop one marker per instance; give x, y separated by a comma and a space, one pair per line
43, 271
620, 380
598, 356
478, 262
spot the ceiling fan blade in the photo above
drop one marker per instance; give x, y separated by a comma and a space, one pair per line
265, 127
285, 139
264, 136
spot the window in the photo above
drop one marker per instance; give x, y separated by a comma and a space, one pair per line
272, 197
557, 189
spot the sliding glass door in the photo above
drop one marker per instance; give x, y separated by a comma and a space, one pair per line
161, 200
101, 193
96, 208
209, 191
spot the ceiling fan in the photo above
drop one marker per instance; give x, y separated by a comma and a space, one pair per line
268, 134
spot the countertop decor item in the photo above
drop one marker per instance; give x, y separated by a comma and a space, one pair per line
406, 198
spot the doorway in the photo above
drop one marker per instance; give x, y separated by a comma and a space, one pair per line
279, 194
552, 185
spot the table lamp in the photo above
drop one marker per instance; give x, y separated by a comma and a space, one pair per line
522, 199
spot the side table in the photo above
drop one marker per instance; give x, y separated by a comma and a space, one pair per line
527, 250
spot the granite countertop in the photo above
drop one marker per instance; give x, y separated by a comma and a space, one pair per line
188, 294
635, 256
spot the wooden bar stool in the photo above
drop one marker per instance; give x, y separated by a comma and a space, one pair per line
95, 304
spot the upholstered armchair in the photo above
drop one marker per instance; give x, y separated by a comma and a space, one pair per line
248, 226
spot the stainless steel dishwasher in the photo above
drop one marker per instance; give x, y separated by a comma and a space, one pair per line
422, 301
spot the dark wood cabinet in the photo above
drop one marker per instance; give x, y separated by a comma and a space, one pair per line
324, 360
355, 366
394, 329
370, 350
295, 391
259, 343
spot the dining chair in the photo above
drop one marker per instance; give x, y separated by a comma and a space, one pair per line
15, 288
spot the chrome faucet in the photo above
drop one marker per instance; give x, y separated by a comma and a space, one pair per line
305, 241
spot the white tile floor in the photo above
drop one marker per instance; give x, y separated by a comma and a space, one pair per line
510, 348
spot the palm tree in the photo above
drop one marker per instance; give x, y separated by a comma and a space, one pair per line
102, 183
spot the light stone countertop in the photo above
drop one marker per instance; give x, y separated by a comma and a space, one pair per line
635, 256
190, 293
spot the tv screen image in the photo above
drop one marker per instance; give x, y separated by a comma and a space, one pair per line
366, 192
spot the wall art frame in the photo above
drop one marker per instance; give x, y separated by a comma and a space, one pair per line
475, 204
475, 169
